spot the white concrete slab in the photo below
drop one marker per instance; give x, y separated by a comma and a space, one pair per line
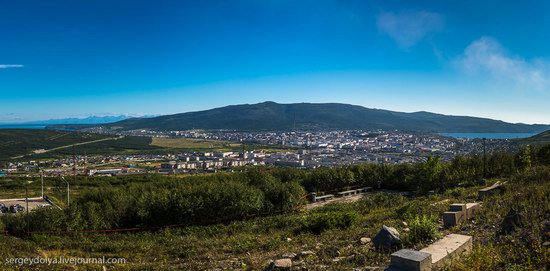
451, 246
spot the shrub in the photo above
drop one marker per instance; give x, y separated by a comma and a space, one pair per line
423, 228
382, 200
320, 222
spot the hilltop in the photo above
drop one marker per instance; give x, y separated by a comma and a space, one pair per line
538, 139
318, 116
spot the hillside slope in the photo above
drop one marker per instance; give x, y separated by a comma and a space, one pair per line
310, 116
538, 139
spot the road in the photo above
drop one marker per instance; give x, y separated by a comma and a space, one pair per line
318, 204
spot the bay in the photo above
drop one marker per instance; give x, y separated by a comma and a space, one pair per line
489, 135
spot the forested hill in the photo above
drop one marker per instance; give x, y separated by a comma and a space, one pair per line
311, 116
538, 139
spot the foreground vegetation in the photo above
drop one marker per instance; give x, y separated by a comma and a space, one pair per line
232, 221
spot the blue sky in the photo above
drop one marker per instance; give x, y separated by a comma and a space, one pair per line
79, 58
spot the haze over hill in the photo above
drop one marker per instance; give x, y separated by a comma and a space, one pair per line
320, 116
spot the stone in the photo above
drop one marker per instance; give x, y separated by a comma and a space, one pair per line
406, 229
511, 222
449, 247
405, 224
387, 238
280, 264
365, 240
289, 255
407, 259
451, 219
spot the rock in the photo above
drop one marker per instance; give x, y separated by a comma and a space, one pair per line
364, 240
406, 230
387, 238
306, 253
405, 224
288, 239
511, 222
289, 255
280, 264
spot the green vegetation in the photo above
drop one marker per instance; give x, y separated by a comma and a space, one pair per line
187, 143
538, 139
233, 220
18, 142
423, 229
320, 222
270, 116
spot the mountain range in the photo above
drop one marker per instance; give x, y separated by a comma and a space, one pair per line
86, 120
271, 116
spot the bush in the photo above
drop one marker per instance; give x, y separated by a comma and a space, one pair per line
320, 222
422, 229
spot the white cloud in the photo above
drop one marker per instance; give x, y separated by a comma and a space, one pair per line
7, 66
408, 28
486, 57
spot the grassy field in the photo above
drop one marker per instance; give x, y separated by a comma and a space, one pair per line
194, 144
250, 244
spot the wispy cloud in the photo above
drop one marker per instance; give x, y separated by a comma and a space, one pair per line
7, 66
487, 57
408, 28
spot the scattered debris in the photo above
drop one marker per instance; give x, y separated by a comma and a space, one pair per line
365, 240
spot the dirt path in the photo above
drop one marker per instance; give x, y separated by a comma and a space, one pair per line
353, 198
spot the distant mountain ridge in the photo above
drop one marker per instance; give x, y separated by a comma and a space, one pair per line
87, 120
271, 116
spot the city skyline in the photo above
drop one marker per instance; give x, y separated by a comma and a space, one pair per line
66, 59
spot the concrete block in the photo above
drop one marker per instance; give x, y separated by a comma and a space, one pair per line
448, 248
407, 259
453, 218
472, 209
457, 207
